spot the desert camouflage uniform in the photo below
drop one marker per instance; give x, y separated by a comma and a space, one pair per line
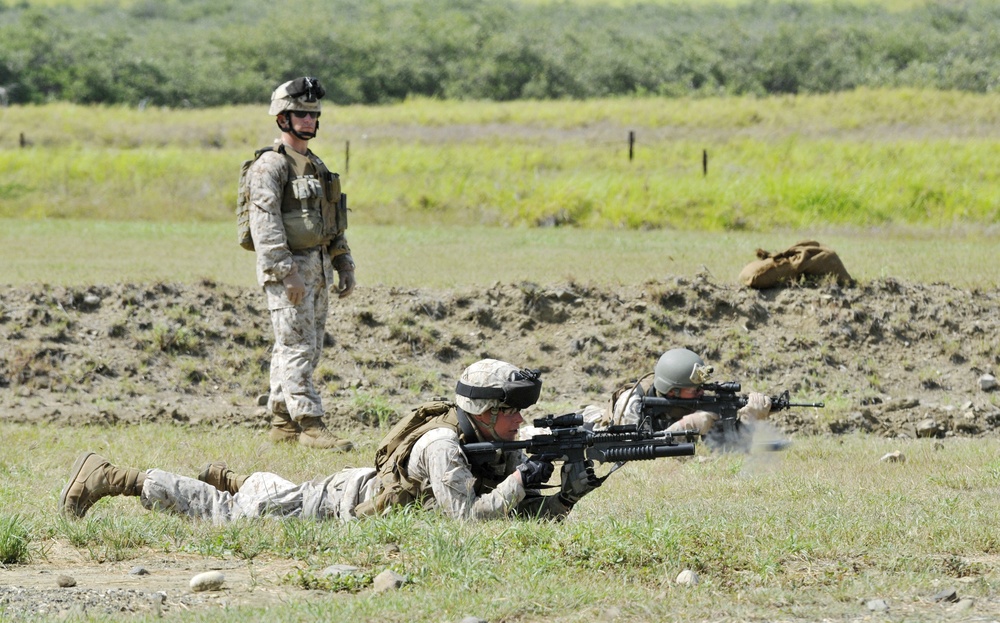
625, 407
298, 331
437, 460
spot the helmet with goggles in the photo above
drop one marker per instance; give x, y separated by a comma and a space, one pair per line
679, 368
493, 384
302, 94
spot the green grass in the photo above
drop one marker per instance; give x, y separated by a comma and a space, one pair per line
803, 534
859, 160
893, 5
81, 252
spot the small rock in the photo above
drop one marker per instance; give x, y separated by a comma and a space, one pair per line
65, 581
474, 620
339, 570
987, 382
687, 578
964, 604
208, 581
927, 428
948, 594
893, 457
92, 300
262, 400
877, 605
138, 571
387, 581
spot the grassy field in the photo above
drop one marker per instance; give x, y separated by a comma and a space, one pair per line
812, 533
892, 5
75, 252
801, 535
859, 160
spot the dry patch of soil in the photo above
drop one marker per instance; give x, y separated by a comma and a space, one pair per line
885, 356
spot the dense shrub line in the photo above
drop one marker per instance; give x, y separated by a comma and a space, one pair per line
177, 52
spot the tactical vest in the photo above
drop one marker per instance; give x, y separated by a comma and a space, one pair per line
393, 455
313, 208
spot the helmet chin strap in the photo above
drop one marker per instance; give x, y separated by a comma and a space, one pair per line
491, 428
305, 136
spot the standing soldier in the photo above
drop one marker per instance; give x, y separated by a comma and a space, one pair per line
297, 222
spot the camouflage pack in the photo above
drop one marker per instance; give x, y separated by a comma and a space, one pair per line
243, 202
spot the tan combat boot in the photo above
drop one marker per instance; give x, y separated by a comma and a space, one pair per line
221, 477
315, 434
283, 429
94, 477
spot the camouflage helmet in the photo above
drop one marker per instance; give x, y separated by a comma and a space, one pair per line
679, 368
300, 94
489, 384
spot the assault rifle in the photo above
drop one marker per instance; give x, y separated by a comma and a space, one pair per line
569, 441
729, 432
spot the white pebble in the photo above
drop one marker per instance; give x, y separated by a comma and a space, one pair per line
208, 581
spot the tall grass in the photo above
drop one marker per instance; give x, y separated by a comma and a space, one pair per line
868, 159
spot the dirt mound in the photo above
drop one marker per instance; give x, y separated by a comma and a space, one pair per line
887, 357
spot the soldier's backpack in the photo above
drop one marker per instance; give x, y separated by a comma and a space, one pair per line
243, 202
393, 453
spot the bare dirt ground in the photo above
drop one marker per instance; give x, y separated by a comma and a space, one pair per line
884, 355
888, 358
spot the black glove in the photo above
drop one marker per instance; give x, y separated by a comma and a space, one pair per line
535, 471
578, 479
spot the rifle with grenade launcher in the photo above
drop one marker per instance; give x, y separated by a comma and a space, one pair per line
568, 440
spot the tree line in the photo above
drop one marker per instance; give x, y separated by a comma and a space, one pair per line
200, 54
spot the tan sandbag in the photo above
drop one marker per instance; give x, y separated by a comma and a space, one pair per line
766, 273
807, 257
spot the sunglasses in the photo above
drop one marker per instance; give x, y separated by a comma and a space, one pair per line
302, 114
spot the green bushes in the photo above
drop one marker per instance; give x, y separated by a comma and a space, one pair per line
178, 53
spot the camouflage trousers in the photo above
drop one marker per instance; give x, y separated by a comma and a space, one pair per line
298, 339
263, 494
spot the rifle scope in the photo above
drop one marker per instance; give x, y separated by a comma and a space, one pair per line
728, 387
570, 420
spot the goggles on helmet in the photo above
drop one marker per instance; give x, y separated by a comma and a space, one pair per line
307, 88
520, 392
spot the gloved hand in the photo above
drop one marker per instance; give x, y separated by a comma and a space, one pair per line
344, 265
578, 479
345, 283
535, 471
700, 422
757, 408
295, 288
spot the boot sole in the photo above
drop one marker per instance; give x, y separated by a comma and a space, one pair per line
74, 473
